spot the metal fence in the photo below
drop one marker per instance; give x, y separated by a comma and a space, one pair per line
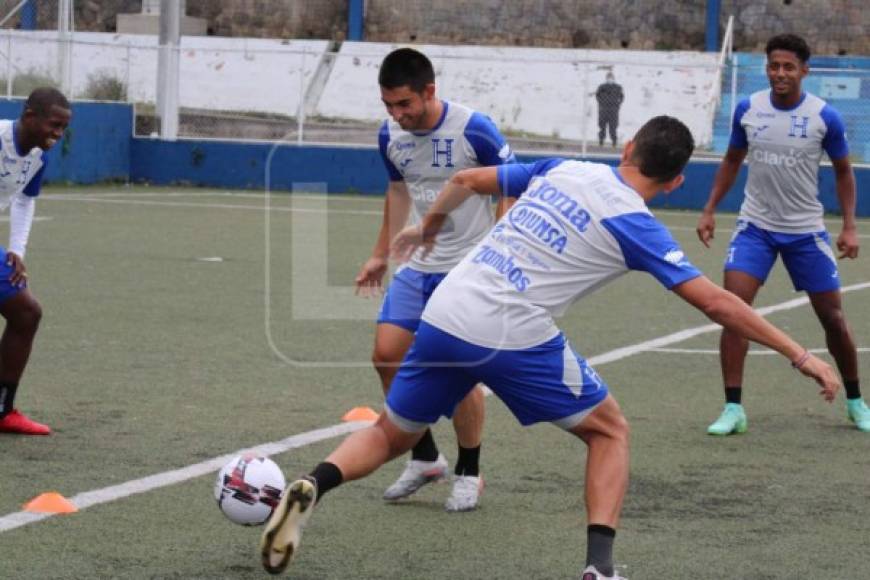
301, 92
843, 82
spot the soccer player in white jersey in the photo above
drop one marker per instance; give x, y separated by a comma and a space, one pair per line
575, 227
22, 163
782, 132
425, 141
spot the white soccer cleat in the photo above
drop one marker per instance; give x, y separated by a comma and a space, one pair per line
465, 494
280, 540
592, 573
416, 475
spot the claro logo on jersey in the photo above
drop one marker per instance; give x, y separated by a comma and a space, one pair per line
789, 160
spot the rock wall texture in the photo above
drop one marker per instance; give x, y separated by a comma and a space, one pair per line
831, 26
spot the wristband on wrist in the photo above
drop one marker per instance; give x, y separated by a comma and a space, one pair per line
801, 360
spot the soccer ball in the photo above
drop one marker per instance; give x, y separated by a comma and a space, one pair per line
248, 488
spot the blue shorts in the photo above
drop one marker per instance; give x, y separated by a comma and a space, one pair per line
548, 382
808, 258
406, 297
7, 290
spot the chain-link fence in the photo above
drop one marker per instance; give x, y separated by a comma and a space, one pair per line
843, 82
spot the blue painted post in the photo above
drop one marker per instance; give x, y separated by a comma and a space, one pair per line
712, 32
28, 16
355, 18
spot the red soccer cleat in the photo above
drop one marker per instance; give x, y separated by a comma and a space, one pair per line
16, 422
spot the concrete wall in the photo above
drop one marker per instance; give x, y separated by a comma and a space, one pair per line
540, 91
239, 74
96, 146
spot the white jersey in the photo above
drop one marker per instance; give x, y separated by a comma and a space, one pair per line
20, 172
461, 139
785, 149
575, 227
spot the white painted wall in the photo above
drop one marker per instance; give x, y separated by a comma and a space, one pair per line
540, 91
235, 74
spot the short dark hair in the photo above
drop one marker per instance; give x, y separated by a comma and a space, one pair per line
662, 147
42, 99
406, 66
790, 42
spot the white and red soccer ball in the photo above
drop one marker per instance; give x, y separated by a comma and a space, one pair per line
248, 489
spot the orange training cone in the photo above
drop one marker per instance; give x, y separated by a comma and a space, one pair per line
50, 503
361, 414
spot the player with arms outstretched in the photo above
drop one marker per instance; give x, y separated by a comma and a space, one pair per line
575, 227
425, 141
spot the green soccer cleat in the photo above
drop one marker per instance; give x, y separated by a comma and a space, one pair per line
732, 420
859, 414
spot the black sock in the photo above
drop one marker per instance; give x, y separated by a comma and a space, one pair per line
599, 548
853, 391
425, 449
327, 476
732, 394
468, 462
7, 398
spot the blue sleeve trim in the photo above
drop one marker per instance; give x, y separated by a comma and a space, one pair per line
738, 133
834, 142
648, 246
514, 178
383, 142
34, 186
490, 146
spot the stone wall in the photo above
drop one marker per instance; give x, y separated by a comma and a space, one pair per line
831, 26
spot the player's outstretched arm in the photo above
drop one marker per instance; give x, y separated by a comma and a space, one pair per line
847, 241
731, 312
463, 185
397, 206
725, 176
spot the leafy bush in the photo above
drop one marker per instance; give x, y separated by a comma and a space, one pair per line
103, 86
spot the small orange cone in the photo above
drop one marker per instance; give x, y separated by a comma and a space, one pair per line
50, 503
361, 414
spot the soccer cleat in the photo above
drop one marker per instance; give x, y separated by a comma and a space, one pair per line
859, 414
17, 422
592, 573
280, 540
416, 475
732, 420
465, 494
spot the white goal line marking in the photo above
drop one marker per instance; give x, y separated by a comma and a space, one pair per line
115, 492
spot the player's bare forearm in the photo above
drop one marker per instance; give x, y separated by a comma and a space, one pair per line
844, 178
725, 177
731, 312
397, 206
463, 185
504, 205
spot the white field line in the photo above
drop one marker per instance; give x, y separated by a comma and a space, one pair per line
120, 491
106, 197
112, 493
751, 352
145, 484
89, 199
